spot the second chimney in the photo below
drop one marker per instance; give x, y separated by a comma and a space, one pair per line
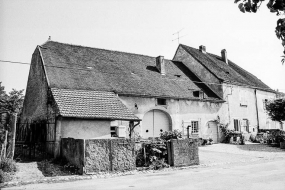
224, 56
202, 49
160, 64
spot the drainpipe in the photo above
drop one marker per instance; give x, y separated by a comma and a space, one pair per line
229, 104
132, 127
256, 107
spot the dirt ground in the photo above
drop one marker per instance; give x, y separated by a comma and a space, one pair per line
28, 171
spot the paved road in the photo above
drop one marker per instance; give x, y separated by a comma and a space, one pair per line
256, 175
223, 166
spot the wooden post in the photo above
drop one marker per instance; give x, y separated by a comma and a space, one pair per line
57, 137
13, 133
4, 146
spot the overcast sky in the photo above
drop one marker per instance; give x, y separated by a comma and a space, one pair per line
142, 27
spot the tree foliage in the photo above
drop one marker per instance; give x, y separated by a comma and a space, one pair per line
274, 6
276, 109
12, 102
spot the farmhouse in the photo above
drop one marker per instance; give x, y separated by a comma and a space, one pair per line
95, 93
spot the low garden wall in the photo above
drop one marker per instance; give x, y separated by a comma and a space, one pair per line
98, 155
183, 152
73, 151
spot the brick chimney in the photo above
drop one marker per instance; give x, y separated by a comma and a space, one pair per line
160, 64
224, 56
202, 49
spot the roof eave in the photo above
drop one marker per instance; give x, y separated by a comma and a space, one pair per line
170, 97
100, 118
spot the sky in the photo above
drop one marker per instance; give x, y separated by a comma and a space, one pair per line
144, 27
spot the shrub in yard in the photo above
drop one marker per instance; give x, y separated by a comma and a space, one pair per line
228, 133
252, 138
152, 155
8, 165
4, 176
167, 135
7, 168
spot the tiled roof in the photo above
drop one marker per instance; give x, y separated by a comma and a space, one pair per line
84, 68
91, 104
229, 73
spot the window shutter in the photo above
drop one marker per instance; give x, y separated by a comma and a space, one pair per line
199, 127
239, 125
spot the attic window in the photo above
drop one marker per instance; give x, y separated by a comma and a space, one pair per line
196, 94
161, 101
178, 76
227, 72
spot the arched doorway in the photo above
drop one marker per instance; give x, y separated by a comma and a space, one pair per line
154, 122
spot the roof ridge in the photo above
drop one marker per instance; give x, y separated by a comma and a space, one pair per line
83, 90
115, 51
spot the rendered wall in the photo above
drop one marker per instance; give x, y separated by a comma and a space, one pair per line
264, 121
232, 108
180, 111
84, 129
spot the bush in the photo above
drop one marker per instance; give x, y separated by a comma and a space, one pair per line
8, 165
4, 176
167, 135
269, 136
7, 168
153, 155
229, 133
252, 137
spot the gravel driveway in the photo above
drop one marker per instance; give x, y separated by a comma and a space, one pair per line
218, 154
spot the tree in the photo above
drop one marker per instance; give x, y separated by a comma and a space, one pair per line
12, 102
276, 109
275, 6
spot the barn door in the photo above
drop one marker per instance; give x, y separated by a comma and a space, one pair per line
155, 122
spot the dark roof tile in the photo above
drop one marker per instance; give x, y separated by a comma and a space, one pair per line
91, 104
229, 73
85, 68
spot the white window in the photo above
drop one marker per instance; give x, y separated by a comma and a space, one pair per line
245, 125
194, 127
191, 127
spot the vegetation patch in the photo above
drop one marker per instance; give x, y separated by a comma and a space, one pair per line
8, 168
57, 167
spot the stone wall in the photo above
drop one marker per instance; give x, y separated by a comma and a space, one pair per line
73, 151
109, 155
98, 155
183, 152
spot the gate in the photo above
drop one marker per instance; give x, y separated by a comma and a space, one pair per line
35, 140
